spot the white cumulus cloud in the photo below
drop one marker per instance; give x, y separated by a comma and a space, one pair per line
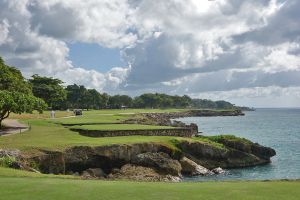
208, 48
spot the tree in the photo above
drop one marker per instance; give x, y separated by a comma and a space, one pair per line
18, 103
138, 102
204, 103
15, 93
161, 101
117, 101
148, 100
125, 100
78, 96
224, 105
186, 101
104, 100
50, 90
73, 95
11, 79
91, 99
166, 101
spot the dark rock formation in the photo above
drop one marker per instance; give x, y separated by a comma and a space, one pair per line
190, 168
80, 158
140, 173
93, 173
212, 156
212, 113
245, 145
160, 161
47, 162
262, 152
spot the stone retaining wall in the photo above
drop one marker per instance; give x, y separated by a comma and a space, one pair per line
177, 132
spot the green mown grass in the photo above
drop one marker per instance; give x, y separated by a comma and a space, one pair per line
91, 119
13, 188
54, 136
50, 134
9, 172
207, 140
59, 114
131, 111
114, 127
107, 116
17, 184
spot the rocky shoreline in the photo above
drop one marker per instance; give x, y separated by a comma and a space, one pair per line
145, 161
166, 119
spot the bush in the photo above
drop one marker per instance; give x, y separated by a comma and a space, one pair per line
229, 138
7, 161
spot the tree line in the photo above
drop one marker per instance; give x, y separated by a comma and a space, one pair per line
59, 97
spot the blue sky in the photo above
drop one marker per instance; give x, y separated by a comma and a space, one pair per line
94, 56
246, 52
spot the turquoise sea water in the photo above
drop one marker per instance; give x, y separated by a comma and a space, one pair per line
276, 128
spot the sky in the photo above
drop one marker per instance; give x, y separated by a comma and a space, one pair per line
246, 52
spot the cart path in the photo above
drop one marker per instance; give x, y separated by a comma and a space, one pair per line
12, 126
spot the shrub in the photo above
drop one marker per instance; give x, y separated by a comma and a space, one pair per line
7, 161
230, 138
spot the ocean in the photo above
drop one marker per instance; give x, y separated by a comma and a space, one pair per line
276, 128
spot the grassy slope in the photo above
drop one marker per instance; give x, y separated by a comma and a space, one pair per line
54, 188
23, 185
46, 134
9, 172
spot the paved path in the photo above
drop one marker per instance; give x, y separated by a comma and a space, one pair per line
12, 126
